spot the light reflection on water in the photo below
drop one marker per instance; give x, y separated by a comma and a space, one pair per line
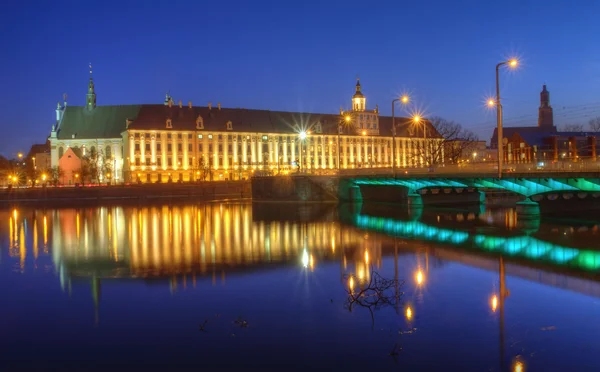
146, 268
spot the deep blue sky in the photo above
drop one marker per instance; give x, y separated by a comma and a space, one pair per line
297, 55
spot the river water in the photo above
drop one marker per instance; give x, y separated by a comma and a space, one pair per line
226, 285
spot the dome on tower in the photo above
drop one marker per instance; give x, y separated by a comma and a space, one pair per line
358, 93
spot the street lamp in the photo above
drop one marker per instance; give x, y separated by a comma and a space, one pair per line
405, 99
512, 63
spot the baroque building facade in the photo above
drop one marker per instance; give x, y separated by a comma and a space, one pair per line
176, 142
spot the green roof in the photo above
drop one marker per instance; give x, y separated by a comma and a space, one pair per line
101, 122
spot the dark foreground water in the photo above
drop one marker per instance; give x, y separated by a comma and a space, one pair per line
221, 286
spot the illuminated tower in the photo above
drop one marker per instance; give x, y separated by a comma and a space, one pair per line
545, 116
359, 102
364, 122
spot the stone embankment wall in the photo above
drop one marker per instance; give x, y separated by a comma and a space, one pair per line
144, 193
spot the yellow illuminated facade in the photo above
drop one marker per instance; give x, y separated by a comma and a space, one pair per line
188, 143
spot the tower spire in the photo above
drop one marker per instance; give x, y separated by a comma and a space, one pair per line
90, 100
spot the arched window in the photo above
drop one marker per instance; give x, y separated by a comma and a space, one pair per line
108, 152
61, 152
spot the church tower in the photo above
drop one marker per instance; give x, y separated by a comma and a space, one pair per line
90, 98
545, 115
359, 102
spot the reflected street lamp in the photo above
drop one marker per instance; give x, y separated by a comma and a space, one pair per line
512, 63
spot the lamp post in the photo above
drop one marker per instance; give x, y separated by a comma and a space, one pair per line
404, 99
418, 120
511, 63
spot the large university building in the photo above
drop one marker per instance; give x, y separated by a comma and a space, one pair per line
182, 142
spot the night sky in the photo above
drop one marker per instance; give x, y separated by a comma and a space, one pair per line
298, 56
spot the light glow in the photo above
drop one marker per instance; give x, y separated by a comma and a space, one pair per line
419, 277
494, 303
409, 313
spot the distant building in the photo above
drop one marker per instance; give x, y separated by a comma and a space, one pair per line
544, 143
467, 151
176, 142
39, 157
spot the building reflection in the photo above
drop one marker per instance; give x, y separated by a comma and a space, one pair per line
173, 241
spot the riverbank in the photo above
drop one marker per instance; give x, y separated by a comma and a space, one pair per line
125, 194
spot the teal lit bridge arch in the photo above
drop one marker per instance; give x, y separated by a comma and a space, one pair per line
520, 185
525, 247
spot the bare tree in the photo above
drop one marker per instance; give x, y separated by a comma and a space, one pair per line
106, 166
377, 293
595, 124
56, 173
445, 140
572, 127
205, 168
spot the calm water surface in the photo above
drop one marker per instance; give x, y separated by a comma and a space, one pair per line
125, 288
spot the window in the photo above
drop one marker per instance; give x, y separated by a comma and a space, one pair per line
137, 147
229, 148
147, 147
189, 147
179, 146
179, 136
200, 136
200, 147
147, 161
169, 124
220, 148
169, 135
210, 148
190, 162
108, 152
265, 138
210, 136
189, 136
220, 137
229, 125
169, 147
158, 147
137, 161
137, 135
170, 162
179, 161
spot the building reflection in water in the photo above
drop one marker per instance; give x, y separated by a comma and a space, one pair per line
178, 240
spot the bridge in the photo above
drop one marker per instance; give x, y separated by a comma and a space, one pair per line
532, 187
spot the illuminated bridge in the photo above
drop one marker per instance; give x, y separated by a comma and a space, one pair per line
533, 187
523, 247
